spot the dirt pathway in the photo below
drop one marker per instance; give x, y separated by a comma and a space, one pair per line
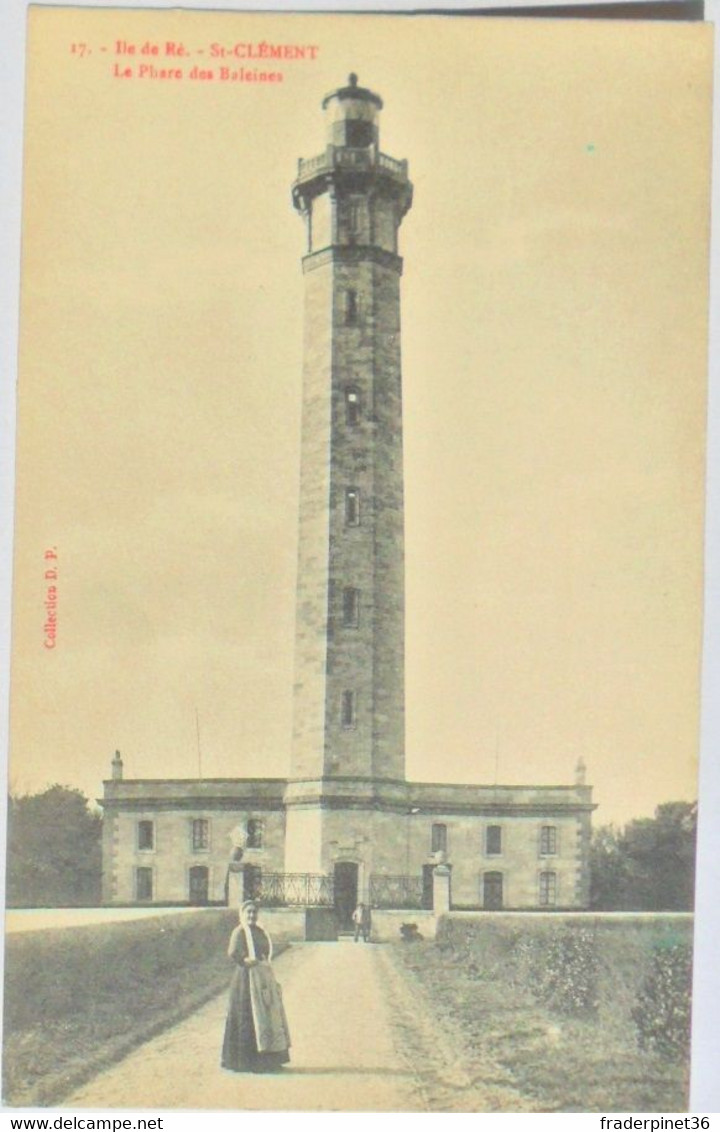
344, 1056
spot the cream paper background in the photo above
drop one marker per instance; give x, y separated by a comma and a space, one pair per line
705, 1030
554, 356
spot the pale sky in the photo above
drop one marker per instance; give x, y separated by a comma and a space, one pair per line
554, 329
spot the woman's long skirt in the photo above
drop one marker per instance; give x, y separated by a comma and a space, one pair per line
240, 1051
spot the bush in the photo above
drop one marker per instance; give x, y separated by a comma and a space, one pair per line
573, 1048
66, 971
662, 1010
574, 966
559, 967
410, 933
77, 999
566, 975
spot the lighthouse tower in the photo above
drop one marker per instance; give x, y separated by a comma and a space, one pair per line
348, 731
346, 825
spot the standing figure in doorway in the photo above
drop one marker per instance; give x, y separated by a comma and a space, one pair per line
362, 919
256, 1031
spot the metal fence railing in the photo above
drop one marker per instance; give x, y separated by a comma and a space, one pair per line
283, 890
398, 892
317, 890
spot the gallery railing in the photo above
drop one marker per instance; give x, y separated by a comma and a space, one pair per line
283, 890
398, 892
358, 159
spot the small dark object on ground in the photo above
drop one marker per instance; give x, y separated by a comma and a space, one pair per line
410, 933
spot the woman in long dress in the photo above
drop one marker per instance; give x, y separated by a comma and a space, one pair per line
256, 1035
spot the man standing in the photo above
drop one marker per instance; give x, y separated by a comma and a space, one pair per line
362, 919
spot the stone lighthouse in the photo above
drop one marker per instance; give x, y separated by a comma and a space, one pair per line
348, 732
346, 825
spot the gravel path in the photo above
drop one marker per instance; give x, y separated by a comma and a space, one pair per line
347, 1055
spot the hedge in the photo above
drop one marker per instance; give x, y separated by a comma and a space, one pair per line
79, 999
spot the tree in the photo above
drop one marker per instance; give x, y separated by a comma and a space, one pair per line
647, 866
606, 868
54, 849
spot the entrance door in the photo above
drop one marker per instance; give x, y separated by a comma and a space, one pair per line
199, 884
492, 891
346, 893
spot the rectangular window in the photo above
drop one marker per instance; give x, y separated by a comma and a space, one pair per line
351, 607
355, 221
548, 840
350, 308
352, 407
254, 833
352, 507
143, 883
438, 839
349, 707
548, 889
200, 834
146, 835
493, 840
358, 133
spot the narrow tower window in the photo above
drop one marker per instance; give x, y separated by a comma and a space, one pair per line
352, 507
349, 707
493, 840
352, 407
353, 221
351, 308
351, 607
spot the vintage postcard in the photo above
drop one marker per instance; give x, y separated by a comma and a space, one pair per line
358, 562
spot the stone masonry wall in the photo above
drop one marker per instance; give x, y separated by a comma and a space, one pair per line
172, 855
389, 643
350, 648
520, 861
308, 742
396, 844
367, 658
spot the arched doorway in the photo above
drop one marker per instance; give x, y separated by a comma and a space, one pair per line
199, 884
345, 878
